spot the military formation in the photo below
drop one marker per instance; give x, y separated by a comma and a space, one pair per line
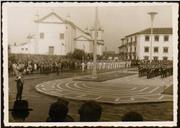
30, 64
106, 65
155, 68
63, 66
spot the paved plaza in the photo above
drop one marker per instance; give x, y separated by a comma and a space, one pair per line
129, 89
144, 96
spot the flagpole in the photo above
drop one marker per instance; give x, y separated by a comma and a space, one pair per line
94, 73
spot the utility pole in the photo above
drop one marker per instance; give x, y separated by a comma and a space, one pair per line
94, 73
152, 15
36, 45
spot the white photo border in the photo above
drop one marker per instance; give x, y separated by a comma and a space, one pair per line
67, 4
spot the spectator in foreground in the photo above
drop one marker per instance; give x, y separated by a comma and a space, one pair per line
90, 111
58, 112
20, 110
132, 116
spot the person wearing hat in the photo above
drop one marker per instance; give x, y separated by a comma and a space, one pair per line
19, 84
132, 116
20, 110
90, 111
58, 112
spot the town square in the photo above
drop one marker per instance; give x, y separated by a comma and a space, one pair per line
86, 63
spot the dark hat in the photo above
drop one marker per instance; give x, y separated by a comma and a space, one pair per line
20, 105
62, 101
20, 109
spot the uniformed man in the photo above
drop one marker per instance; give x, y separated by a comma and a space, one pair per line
88, 65
100, 65
83, 66
19, 85
104, 65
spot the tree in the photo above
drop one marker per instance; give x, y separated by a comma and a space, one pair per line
69, 55
78, 54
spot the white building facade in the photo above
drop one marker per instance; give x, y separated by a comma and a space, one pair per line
28, 47
137, 46
58, 36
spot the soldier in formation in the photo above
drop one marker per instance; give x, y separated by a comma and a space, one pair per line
153, 69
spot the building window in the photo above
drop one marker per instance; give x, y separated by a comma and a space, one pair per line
156, 49
166, 38
146, 38
51, 50
156, 38
22, 49
146, 49
165, 58
41, 35
61, 35
155, 58
165, 50
146, 57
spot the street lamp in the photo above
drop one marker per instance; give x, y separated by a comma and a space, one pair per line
152, 15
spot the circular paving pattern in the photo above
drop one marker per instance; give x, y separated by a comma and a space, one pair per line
116, 94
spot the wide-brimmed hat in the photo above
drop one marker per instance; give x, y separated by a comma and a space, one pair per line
21, 105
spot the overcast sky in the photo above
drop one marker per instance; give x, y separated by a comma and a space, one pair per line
117, 21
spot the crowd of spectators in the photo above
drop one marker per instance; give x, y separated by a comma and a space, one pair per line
40, 63
46, 64
89, 111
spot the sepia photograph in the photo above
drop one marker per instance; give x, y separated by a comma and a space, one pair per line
90, 64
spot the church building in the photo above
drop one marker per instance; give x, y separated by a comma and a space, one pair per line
58, 36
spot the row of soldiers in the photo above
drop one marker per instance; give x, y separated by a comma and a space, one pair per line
104, 65
153, 69
84, 66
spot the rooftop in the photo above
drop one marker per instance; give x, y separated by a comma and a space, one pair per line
155, 31
148, 31
61, 19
